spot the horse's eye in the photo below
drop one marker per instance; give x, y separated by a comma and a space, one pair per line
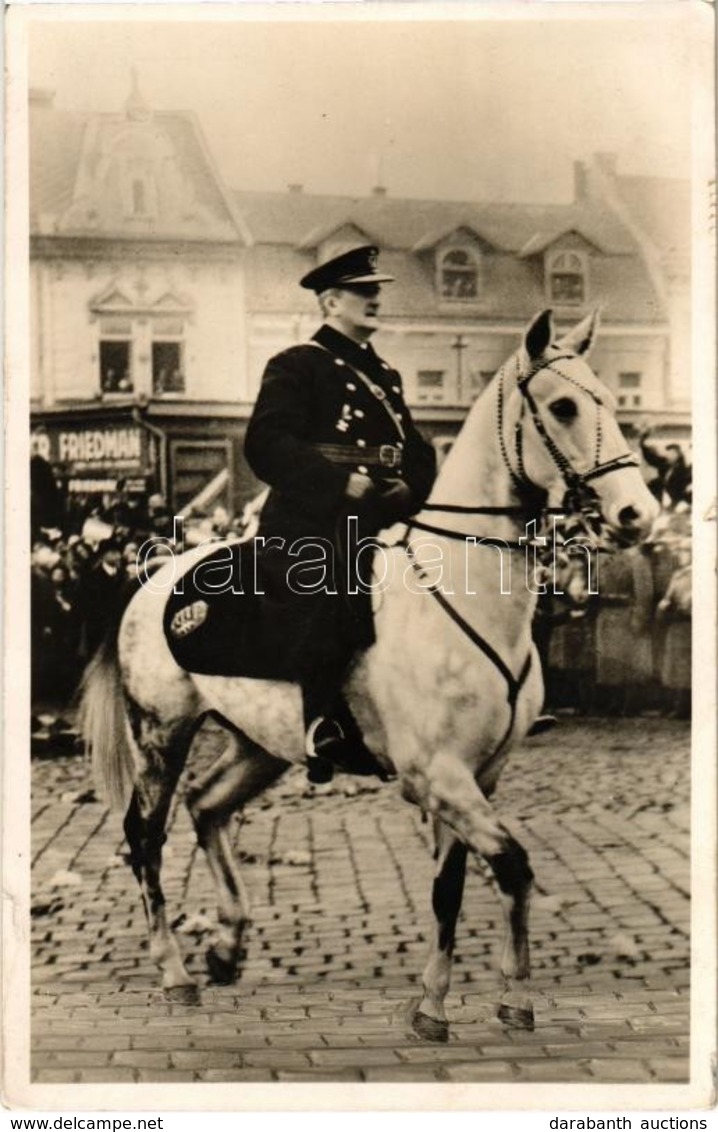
564, 409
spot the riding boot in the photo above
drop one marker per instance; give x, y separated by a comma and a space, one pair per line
333, 738
323, 733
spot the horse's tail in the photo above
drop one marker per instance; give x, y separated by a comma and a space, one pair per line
102, 716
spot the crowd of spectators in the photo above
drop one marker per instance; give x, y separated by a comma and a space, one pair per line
626, 649
84, 553
622, 651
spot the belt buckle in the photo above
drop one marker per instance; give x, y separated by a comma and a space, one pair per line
389, 456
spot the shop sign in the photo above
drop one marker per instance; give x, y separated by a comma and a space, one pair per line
79, 450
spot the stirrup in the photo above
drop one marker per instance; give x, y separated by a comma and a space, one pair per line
320, 769
543, 722
312, 745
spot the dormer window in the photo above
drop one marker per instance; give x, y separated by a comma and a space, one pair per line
567, 278
459, 275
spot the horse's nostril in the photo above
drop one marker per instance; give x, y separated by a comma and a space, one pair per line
627, 516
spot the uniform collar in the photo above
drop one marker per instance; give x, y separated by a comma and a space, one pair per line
343, 347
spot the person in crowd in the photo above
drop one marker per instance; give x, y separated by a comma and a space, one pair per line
333, 437
624, 658
672, 482
42, 623
159, 519
99, 592
564, 633
674, 611
65, 650
47, 505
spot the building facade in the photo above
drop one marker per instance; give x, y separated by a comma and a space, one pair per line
158, 295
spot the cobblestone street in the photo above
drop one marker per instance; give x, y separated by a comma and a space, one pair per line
341, 889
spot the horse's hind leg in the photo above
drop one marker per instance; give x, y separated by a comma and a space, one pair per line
242, 772
160, 757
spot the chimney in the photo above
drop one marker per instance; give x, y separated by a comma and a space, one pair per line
379, 191
580, 181
136, 108
295, 188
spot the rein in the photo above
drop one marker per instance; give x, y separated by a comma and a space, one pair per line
513, 684
478, 539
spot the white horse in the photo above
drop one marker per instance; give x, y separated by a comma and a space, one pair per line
451, 682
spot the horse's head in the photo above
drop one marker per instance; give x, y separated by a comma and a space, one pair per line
565, 439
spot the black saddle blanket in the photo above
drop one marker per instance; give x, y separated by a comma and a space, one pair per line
233, 614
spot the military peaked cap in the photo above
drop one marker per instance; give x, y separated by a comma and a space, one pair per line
356, 266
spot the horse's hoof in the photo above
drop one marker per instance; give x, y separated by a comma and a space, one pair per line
222, 971
516, 1017
430, 1029
186, 994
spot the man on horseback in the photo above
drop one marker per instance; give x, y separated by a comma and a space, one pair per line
332, 436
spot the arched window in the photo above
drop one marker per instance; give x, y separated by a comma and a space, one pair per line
567, 278
459, 275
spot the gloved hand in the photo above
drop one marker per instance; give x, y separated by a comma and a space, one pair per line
396, 501
358, 486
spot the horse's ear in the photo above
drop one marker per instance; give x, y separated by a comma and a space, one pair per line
581, 338
536, 339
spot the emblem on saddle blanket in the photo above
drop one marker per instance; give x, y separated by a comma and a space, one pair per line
186, 620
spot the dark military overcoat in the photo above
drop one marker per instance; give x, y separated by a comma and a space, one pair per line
313, 396
325, 409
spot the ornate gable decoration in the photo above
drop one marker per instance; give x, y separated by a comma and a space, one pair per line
113, 300
145, 175
172, 304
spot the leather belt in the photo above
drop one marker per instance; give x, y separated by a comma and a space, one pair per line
382, 456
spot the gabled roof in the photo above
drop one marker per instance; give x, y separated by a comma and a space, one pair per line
432, 240
349, 230
540, 241
290, 218
80, 165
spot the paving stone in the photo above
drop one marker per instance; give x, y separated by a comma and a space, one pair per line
307, 1075
206, 1059
668, 1069
397, 1074
56, 1076
618, 1069
240, 1075
107, 1076
486, 1071
164, 1076
555, 1069
142, 1059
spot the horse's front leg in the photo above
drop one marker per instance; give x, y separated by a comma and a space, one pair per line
429, 1020
241, 772
453, 796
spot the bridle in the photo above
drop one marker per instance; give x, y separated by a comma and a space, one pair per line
575, 481
580, 499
